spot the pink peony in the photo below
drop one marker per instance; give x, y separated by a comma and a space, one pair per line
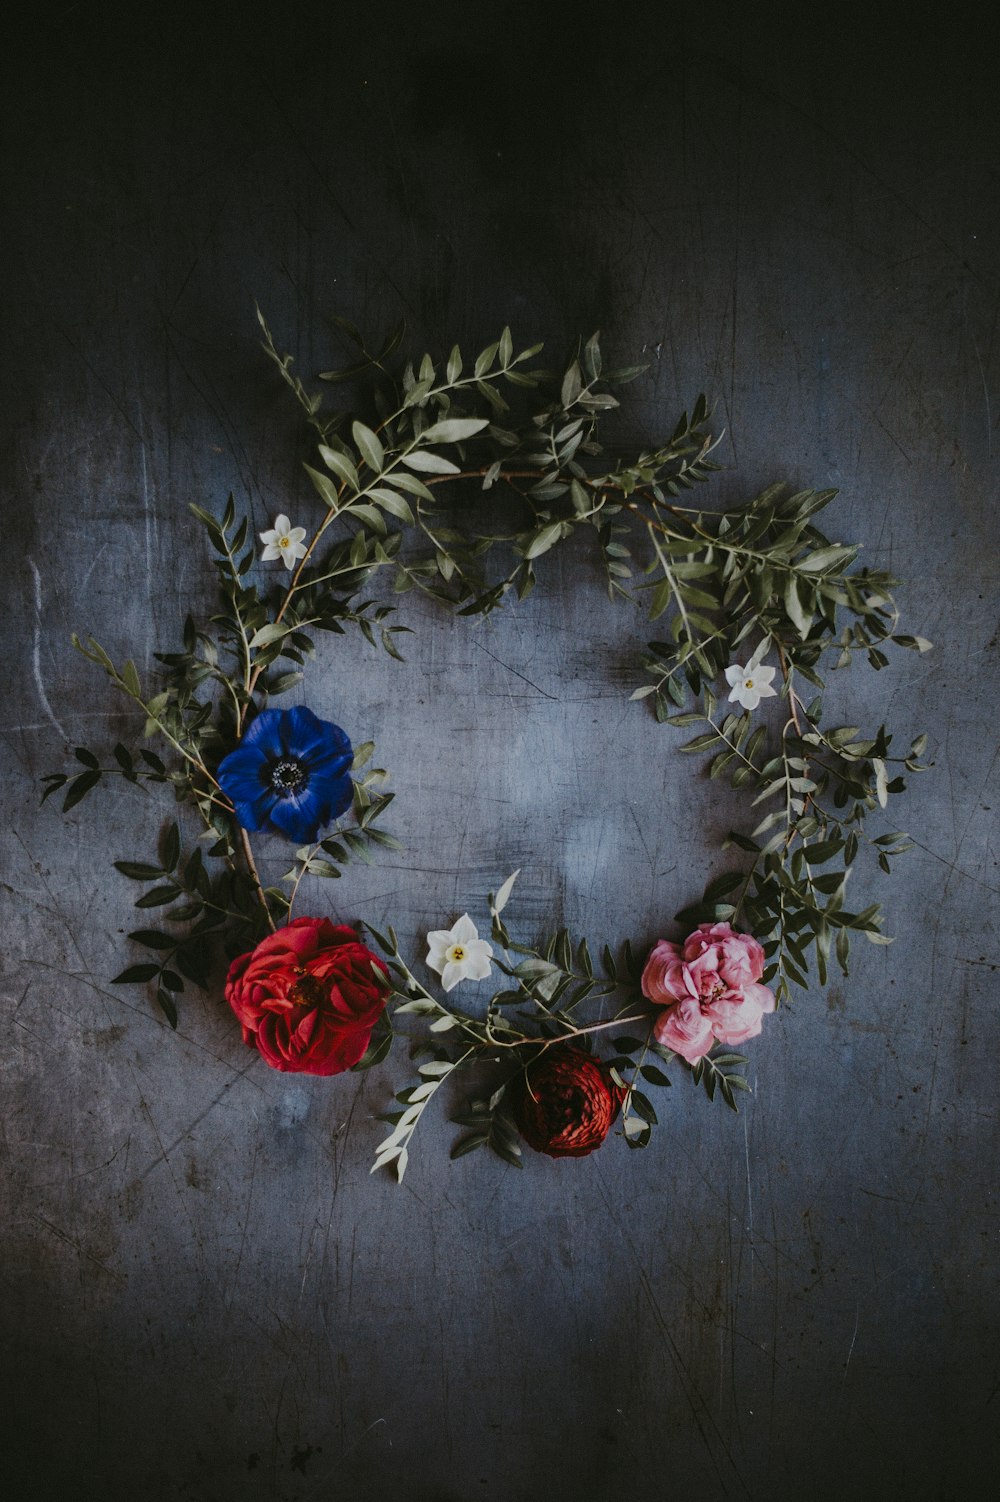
686, 1030
710, 988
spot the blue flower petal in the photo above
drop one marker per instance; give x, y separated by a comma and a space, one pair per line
324, 752
328, 768
312, 738
243, 770
241, 778
299, 817
341, 796
264, 734
254, 815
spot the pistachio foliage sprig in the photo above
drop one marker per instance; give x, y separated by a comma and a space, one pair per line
502, 422
536, 1011
825, 782
761, 573
412, 478
211, 896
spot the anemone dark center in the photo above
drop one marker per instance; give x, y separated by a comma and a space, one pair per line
287, 775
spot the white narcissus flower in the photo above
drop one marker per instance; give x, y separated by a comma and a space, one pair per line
283, 541
748, 685
458, 953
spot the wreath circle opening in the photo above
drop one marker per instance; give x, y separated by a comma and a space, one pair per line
752, 603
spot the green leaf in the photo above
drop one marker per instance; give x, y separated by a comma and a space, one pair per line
273, 631
79, 788
166, 1002
159, 897
485, 360
914, 643
509, 1151
534, 968
341, 466
823, 850
136, 973
362, 755
130, 678
171, 847
370, 515
543, 540
637, 1133
206, 519
94, 652
137, 871
428, 463
572, 385
326, 488
701, 742
643, 1106
283, 682
469, 1144
374, 1054
501, 899
369, 447
411, 485
391, 502
798, 614
152, 938
826, 558
454, 429
417, 393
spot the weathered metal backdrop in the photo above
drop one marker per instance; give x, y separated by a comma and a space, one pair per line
205, 1294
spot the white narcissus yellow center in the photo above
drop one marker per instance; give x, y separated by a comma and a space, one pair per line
283, 541
458, 953
750, 683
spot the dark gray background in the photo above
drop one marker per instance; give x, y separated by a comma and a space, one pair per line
206, 1296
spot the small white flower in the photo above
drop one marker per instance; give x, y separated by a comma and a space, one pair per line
458, 953
748, 685
284, 542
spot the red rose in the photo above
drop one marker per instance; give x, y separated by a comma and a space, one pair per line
307, 996
565, 1102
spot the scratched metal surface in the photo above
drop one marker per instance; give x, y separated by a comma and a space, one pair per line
205, 1295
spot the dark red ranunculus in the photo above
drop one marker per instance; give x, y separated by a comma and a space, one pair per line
307, 996
565, 1102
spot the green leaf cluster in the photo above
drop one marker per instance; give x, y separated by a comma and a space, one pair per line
459, 476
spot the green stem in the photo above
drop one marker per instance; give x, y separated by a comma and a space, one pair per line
255, 877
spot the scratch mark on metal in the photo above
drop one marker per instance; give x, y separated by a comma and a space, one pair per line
850, 1353
36, 652
509, 669
700, 1411
166, 1151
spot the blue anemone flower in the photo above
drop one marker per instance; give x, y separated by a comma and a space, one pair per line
290, 772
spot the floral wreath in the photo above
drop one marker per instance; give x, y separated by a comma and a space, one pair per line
570, 1044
